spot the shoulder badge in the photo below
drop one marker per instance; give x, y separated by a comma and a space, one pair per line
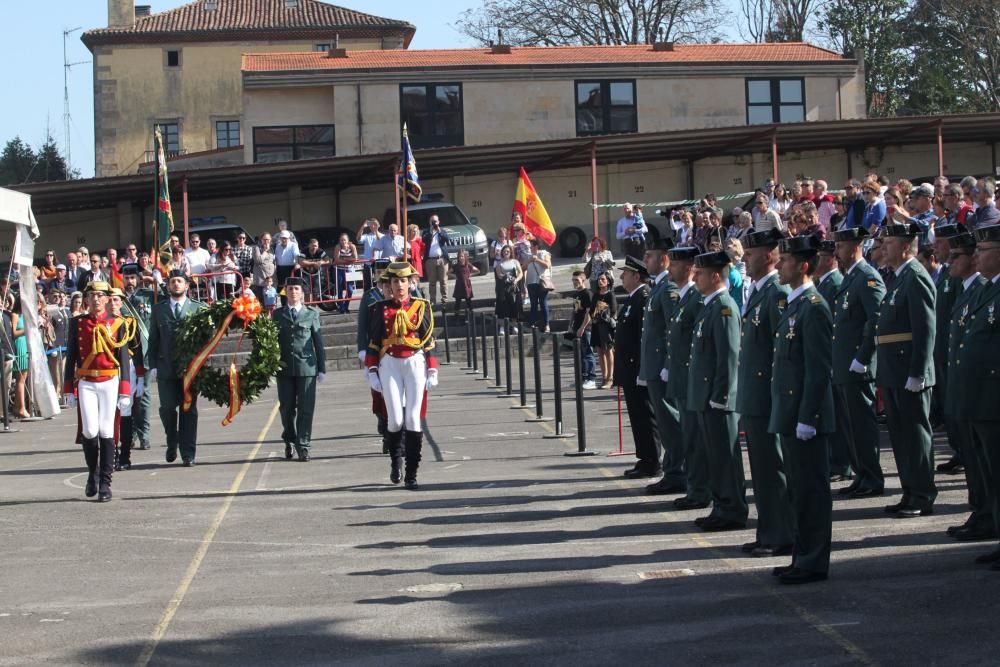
675, 295
726, 312
782, 304
873, 283
815, 298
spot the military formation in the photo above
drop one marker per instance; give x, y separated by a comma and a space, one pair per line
824, 345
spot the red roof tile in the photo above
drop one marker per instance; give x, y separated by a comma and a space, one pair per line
254, 16
687, 54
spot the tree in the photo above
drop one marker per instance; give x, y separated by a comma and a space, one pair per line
758, 16
20, 164
575, 22
16, 162
971, 25
51, 165
791, 18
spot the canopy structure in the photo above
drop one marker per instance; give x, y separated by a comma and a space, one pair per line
15, 209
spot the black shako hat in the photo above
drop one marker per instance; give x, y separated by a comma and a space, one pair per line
769, 238
800, 246
909, 230
685, 254
712, 260
852, 234
987, 233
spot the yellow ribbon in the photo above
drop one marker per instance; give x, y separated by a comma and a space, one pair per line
234, 395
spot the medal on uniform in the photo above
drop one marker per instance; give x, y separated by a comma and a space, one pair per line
844, 304
756, 316
892, 298
791, 329
989, 311
965, 312
697, 332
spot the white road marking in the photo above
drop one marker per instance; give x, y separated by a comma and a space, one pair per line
455, 465
261, 486
432, 588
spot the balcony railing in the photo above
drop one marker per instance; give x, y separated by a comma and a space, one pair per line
149, 156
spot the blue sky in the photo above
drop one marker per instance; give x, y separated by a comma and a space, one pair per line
32, 53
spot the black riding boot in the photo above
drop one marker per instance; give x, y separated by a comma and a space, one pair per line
107, 468
383, 428
125, 451
414, 442
91, 455
394, 444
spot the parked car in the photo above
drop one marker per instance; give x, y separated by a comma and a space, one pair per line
455, 225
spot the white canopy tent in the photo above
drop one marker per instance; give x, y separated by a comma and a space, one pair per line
15, 209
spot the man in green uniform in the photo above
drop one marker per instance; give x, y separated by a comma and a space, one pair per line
303, 366
855, 311
904, 339
180, 426
934, 259
978, 368
761, 311
660, 307
680, 331
141, 301
711, 393
979, 525
802, 409
372, 295
827, 283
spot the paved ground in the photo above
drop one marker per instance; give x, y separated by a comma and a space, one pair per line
511, 552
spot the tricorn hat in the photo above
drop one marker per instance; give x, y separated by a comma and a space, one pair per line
687, 253
130, 269
801, 246
828, 247
294, 281
908, 230
987, 233
852, 234
768, 238
948, 231
962, 242
663, 244
712, 260
178, 273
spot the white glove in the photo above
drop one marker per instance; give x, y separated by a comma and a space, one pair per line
914, 384
124, 403
804, 432
69, 400
320, 377
432, 378
373, 381
361, 356
717, 406
857, 367
639, 382
152, 375
140, 387
664, 374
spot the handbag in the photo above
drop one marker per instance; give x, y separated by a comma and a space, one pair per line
545, 282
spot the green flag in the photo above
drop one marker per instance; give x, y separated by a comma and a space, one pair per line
163, 221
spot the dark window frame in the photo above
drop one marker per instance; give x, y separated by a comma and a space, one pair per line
438, 140
166, 134
606, 107
775, 104
228, 122
166, 58
322, 47
294, 145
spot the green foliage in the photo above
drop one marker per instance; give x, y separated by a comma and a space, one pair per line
19, 163
16, 162
263, 364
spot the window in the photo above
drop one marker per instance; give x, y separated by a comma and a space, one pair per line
227, 133
605, 107
776, 101
211, 5
322, 48
433, 114
294, 142
171, 138
291, 4
173, 58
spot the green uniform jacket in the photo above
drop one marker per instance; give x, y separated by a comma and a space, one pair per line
369, 299
947, 291
757, 347
801, 392
907, 309
715, 348
663, 301
855, 312
830, 286
955, 388
162, 327
301, 342
141, 301
978, 362
680, 331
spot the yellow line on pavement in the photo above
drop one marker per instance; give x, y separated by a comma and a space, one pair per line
192, 570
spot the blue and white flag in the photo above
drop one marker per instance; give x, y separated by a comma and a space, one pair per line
408, 178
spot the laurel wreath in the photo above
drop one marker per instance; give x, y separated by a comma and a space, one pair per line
196, 330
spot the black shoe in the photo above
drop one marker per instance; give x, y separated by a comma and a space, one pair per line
974, 534
952, 466
911, 512
412, 485
171, 453
688, 504
991, 557
768, 551
303, 456
700, 521
749, 547
91, 489
797, 576
841, 477
865, 493
720, 525
395, 472
639, 473
288, 452
123, 465
188, 463
663, 488
892, 509
781, 569
848, 490
144, 445
104, 496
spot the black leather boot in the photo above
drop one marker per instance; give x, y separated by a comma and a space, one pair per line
124, 461
414, 442
107, 468
393, 443
91, 455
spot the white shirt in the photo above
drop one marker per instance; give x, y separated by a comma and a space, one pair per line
756, 287
685, 290
995, 278
174, 303
197, 259
295, 310
968, 281
798, 290
434, 250
903, 266
286, 255
658, 277
714, 294
853, 266
825, 276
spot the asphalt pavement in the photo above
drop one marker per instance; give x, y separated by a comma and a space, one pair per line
509, 553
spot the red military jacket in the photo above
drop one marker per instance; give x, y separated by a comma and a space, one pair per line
400, 329
98, 356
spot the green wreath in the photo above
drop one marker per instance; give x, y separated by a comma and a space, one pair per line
196, 330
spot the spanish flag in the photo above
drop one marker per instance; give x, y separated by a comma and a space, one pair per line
529, 205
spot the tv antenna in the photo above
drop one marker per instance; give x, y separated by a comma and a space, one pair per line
66, 115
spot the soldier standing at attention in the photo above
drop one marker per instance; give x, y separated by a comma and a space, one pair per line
761, 311
979, 525
680, 331
979, 370
802, 409
303, 366
179, 425
141, 301
934, 258
663, 302
135, 372
372, 295
711, 393
628, 364
855, 312
904, 339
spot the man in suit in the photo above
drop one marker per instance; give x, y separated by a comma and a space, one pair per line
934, 259
855, 311
711, 393
802, 409
827, 283
979, 525
680, 332
763, 307
904, 337
180, 426
628, 351
660, 307
303, 366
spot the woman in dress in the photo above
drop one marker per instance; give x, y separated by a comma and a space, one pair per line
462, 273
598, 260
416, 245
20, 359
602, 327
509, 277
223, 262
345, 255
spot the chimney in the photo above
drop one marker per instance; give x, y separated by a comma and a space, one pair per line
121, 14
499, 48
663, 46
141, 11
336, 51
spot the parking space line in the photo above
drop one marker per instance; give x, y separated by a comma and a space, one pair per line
192, 570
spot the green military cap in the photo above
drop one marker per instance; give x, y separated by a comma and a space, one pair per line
769, 238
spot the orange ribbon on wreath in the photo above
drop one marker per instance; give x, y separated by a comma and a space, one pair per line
247, 308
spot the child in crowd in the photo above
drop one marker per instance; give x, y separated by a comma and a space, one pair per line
270, 295
463, 272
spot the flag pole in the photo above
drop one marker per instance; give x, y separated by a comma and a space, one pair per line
156, 213
406, 247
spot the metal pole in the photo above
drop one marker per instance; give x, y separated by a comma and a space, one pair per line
469, 347
581, 421
537, 363
4, 395
470, 321
520, 368
496, 350
593, 183
940, 147
774, 156
507, 361
557, 386
486, 362
447, 346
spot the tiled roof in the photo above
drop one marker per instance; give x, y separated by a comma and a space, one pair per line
687, 54
253, 16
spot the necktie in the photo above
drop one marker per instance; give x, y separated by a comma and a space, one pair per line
295, 314
746, 304
177, 310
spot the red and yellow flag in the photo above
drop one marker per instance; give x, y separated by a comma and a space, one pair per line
529, 205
